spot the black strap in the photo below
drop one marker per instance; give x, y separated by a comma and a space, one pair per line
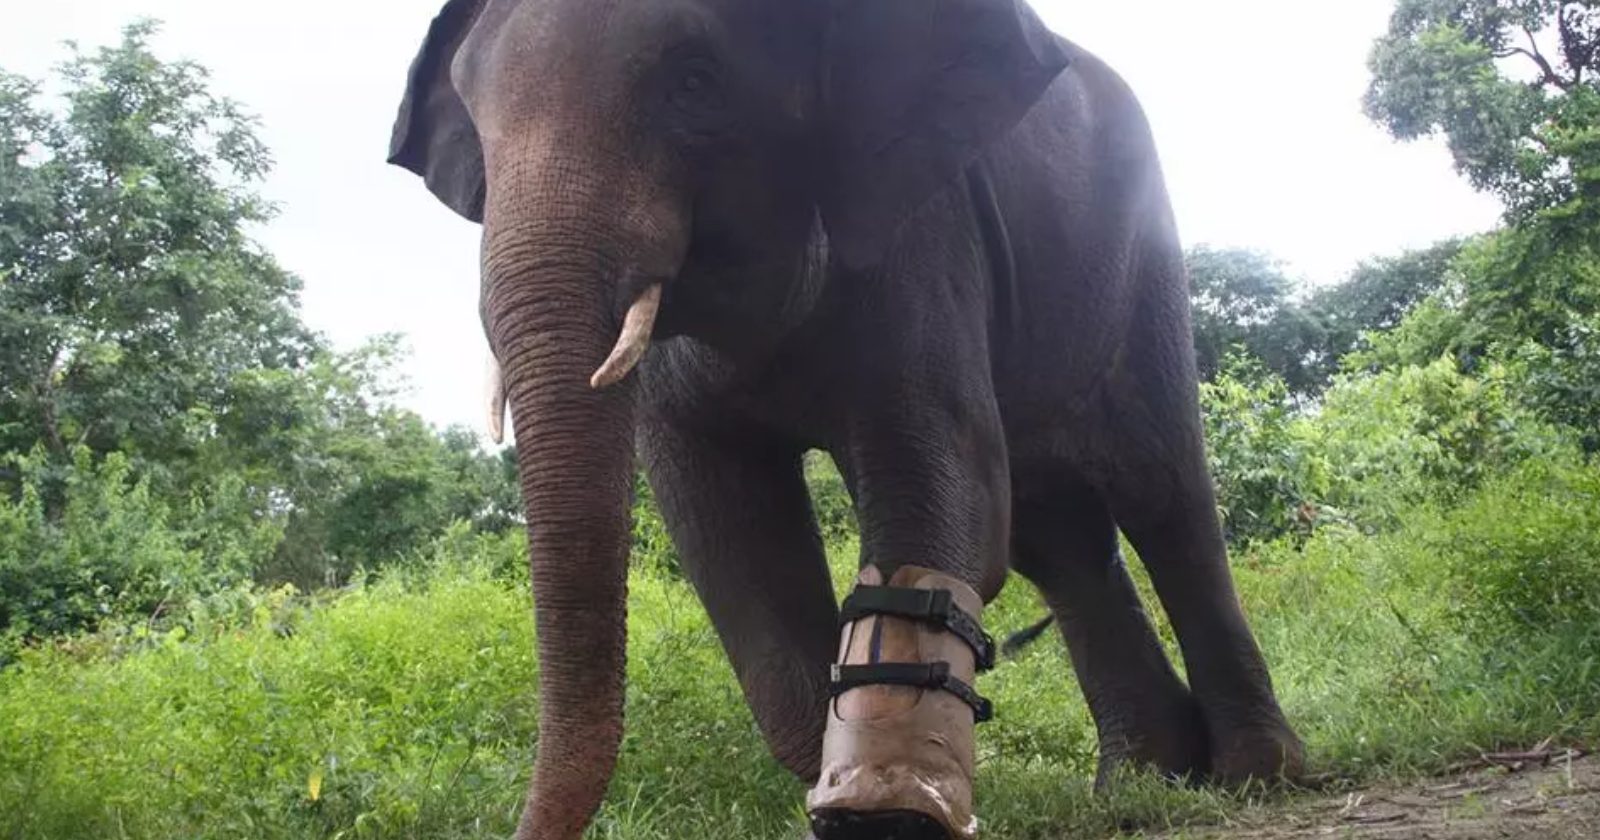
916, 675
932, 606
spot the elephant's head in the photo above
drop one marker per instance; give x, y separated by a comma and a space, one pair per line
604, 144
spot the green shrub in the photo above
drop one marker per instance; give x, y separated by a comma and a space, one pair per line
1561, 381
109, 552
1381, 445
114, 549
652, 545
1524, 554
1408, 436
1468, 626
1264, 467
830, 499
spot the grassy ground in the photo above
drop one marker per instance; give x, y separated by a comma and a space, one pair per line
404, 708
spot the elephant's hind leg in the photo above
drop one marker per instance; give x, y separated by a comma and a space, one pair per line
740, 516
1064, 541
1161, 497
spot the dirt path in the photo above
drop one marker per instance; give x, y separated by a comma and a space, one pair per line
1552, 798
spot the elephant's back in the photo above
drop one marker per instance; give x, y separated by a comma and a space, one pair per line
1085, 208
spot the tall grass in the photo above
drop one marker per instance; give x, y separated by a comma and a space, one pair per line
404, 707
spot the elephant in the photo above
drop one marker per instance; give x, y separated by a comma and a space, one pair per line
931, 238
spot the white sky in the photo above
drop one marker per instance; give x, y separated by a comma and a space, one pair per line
1256, 110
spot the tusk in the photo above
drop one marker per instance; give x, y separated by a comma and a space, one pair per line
496, 392
634, 340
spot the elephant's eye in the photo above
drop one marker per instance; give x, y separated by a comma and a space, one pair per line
698, 91
694, 81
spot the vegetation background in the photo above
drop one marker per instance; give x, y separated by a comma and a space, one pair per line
243, 593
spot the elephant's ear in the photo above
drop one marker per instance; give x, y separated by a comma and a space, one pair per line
913, 90
434, 136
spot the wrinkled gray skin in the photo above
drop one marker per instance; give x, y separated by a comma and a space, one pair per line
926, 236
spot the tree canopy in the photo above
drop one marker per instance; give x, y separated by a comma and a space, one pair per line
1514, 88
156, 377
1243, 303
133, 299
1513, 85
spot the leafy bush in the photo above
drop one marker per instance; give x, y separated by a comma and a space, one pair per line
1426, 334
111, 550
1380, 445
1523, 554
1264, 467
652, 545
1561, 381
1396, 652
830, 499
1403, 437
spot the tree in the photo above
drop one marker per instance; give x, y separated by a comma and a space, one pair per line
1241, 300
357, 481
1513, 85
1243, 303
1561, 380
1376, 297
132, 298
154, 365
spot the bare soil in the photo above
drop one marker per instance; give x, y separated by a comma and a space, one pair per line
1550, 795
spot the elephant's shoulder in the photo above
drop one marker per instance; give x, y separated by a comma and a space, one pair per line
1090, 106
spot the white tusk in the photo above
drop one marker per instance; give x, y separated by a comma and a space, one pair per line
497, 401
634, 340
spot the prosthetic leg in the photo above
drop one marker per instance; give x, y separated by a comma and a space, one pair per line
897, 757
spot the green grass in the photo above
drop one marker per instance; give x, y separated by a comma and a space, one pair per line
405, 708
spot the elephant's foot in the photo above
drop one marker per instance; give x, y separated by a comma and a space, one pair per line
1264, 752
1170, 741
897, 757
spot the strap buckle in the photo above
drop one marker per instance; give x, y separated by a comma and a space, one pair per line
930, 606
934, 675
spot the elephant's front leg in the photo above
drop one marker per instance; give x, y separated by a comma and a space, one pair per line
933, 497
737, 509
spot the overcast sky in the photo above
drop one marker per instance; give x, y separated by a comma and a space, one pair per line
1256, 111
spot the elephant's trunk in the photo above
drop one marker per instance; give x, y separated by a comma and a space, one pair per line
552, 323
